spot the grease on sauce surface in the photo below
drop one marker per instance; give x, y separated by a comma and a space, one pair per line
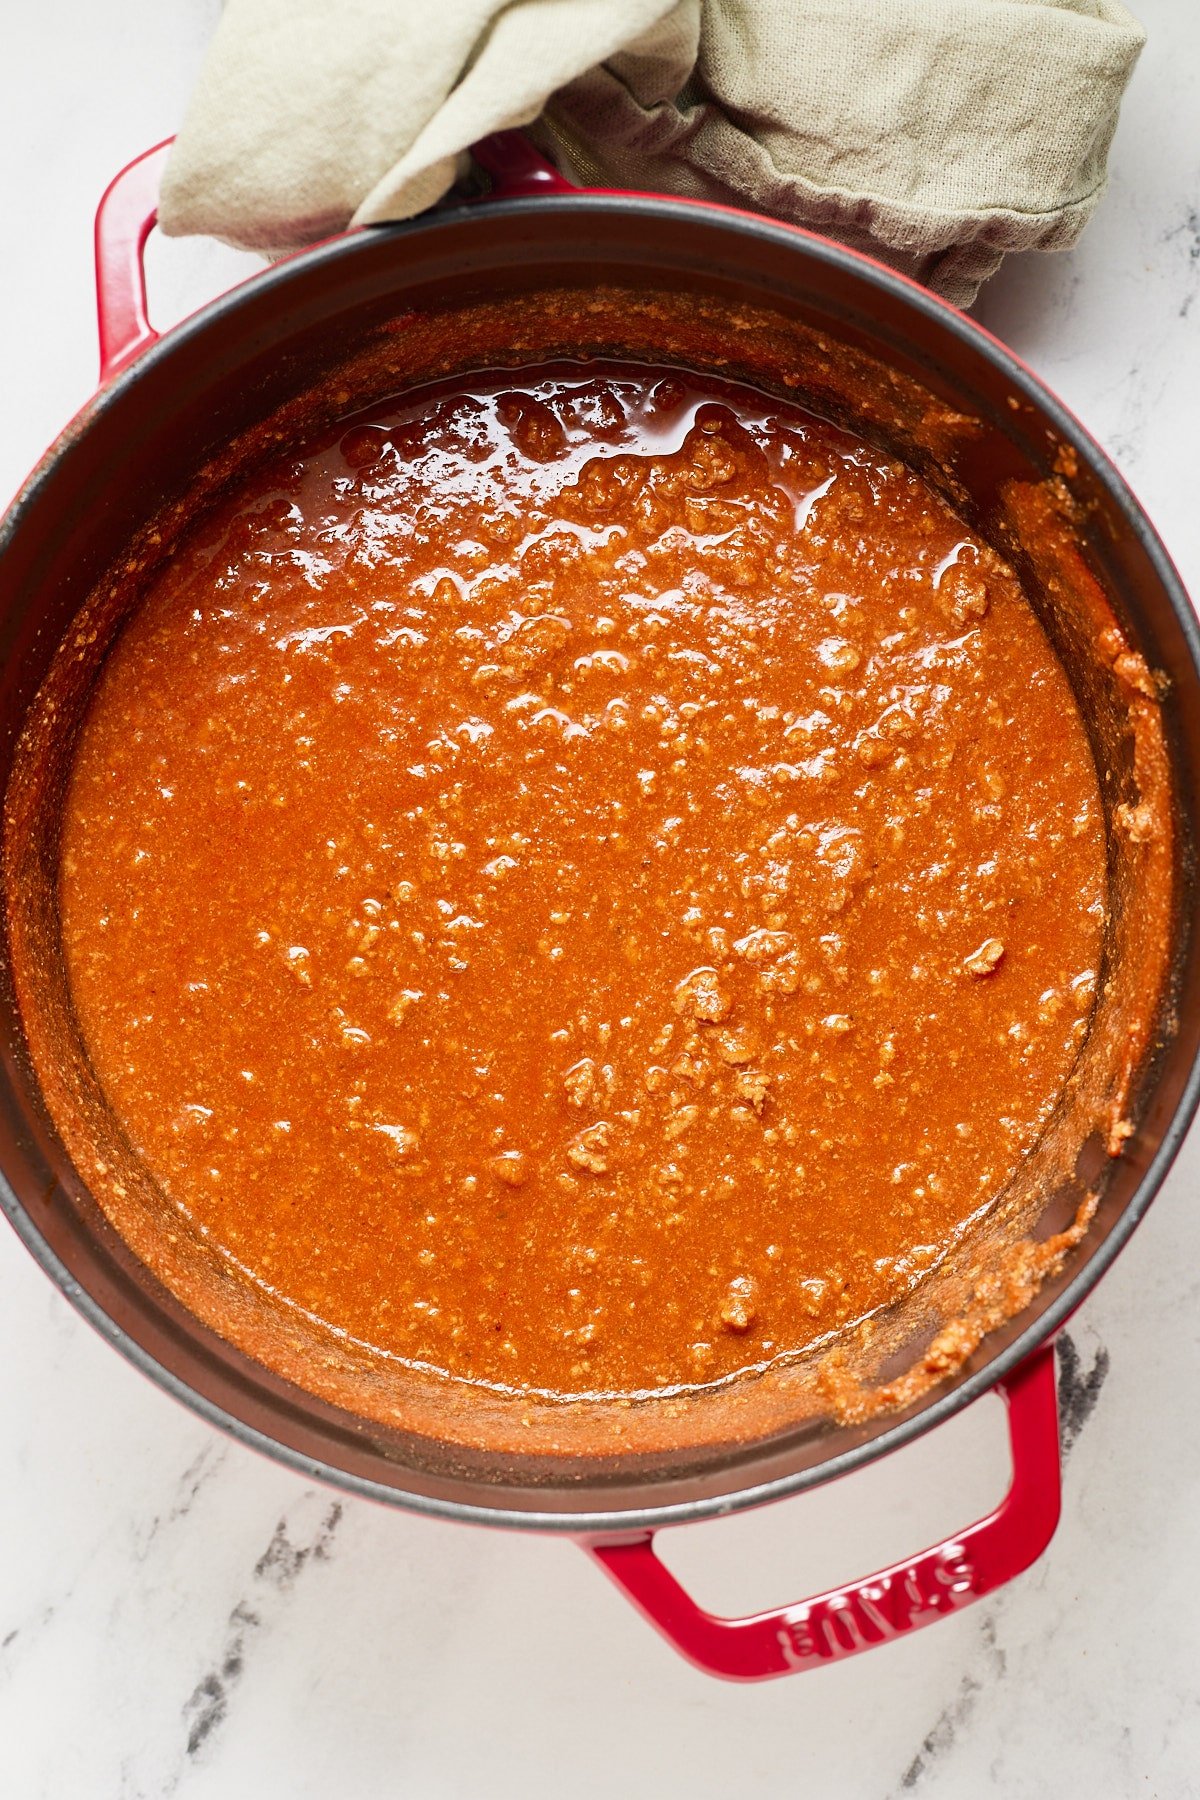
589, 882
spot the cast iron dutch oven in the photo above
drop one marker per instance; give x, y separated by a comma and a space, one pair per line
164, 405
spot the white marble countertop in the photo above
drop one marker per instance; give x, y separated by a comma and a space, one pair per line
180, 1617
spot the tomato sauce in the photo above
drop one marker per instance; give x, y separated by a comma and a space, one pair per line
588, 881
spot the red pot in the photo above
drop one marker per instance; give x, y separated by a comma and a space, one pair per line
164, 405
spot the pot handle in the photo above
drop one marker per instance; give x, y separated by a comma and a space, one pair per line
518, 171
889, 1604
129, 207
124, 220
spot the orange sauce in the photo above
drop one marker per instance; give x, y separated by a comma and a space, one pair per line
589, 882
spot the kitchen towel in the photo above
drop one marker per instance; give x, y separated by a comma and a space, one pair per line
936, 134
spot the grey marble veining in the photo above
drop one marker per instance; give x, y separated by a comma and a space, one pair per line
181, 1617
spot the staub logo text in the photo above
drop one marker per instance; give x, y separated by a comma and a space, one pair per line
858, 1617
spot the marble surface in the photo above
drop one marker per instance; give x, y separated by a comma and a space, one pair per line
179, 1617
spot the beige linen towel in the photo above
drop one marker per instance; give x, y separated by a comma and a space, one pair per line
935, 133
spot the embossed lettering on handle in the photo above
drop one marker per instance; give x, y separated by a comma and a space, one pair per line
886, 1605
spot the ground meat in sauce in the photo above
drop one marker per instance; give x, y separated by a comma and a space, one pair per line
588, 881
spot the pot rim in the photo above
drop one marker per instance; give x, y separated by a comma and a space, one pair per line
945, 1402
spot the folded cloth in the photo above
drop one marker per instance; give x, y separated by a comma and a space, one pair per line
936, 134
